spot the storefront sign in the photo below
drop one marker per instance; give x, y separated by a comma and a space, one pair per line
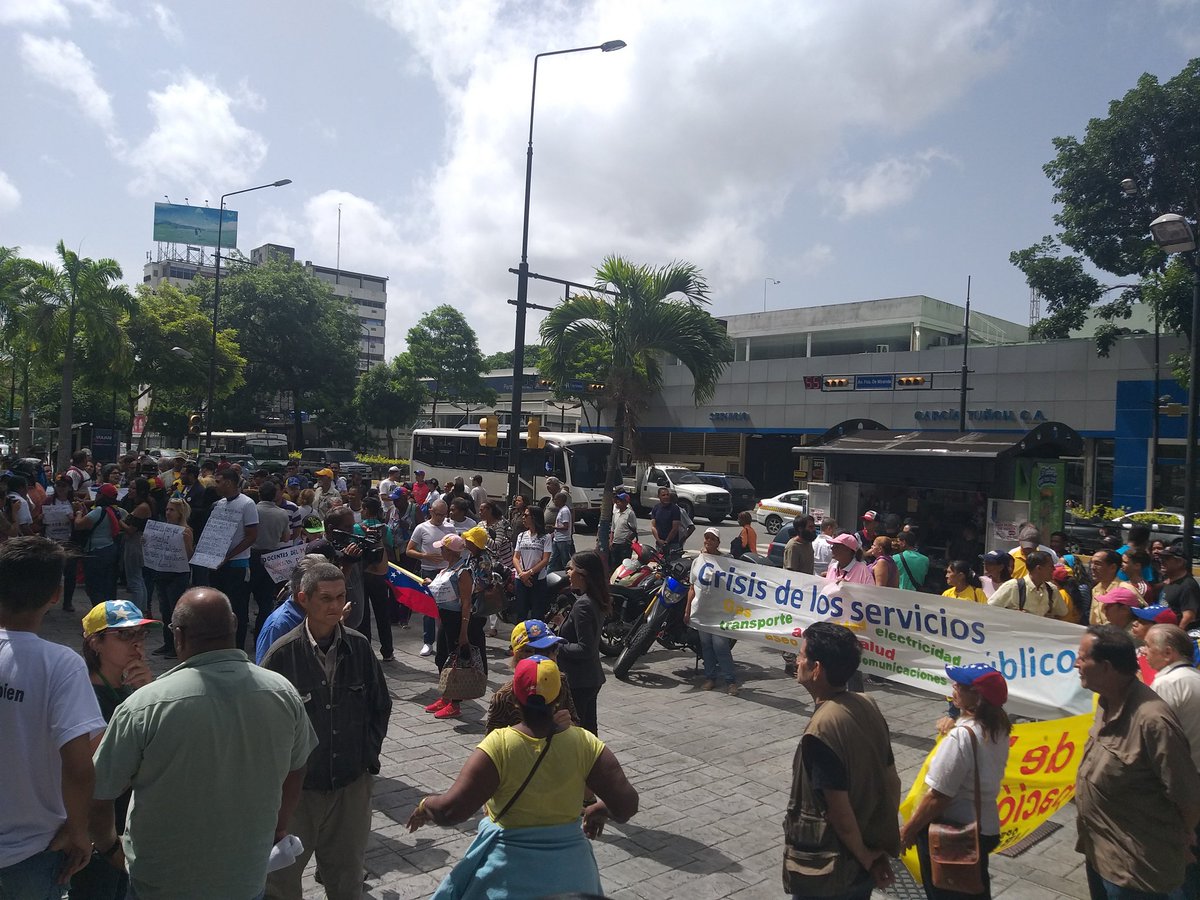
735, 416
874, 382
906, 637
981, 415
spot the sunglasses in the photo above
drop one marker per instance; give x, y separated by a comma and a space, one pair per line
129, 635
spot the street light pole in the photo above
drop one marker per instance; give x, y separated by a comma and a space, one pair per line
514, 424
212, 359
768, 280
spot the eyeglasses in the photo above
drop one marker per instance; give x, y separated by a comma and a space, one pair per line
129, 635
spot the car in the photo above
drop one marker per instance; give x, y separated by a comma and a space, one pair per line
313, 459
696, 497
1165, 525
774, 511
739, 487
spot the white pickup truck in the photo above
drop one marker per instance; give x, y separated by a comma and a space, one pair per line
695, 497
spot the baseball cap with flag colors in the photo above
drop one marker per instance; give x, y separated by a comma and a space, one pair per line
533, 633
114, 614
536, 681
985, 679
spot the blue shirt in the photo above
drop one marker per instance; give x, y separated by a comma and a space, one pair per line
285, 617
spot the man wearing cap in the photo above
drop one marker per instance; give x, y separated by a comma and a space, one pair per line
866, 534
624, 531
843, 772
1034, 592
325, 494
533, 637
348, 705
1137, 793
420, 488
388, 485
48, 717
716, 649
1028, 540
845, 565
1180, 590
912, 565
214, 751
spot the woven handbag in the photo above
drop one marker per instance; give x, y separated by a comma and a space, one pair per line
954, 856
463, 677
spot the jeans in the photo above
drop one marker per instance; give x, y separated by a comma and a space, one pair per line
170, 587
718, 653
429, 625
70, 577
987, 843
234, 583
381, 600
447, 636
1105, 890
560, 554
529, 602
99, 880
33, 878
585, 704
100, 574
263, 589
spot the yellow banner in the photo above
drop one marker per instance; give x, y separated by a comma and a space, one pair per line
1043, 759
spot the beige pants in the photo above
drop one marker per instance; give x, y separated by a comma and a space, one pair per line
334, 825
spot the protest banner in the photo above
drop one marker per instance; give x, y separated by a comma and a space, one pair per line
162, 547
217, 539
59, 520
1043, 760
280, 563
906, 636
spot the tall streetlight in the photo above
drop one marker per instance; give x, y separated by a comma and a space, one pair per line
212, 360
1173, 234
768, 280
514, 425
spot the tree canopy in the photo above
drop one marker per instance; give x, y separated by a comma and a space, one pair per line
443, 348
1152, 136
390, 396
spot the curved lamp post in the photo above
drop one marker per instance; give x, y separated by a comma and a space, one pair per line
514, 424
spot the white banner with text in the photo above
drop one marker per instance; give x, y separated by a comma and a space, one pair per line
906, 637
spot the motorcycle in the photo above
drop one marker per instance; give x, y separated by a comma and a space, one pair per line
632, 585
662, 621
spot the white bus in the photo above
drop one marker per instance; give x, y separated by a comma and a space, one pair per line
579, 461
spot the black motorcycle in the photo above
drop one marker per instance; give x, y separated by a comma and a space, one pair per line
662, 621
633, 584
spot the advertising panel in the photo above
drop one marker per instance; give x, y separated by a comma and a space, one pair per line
175, 223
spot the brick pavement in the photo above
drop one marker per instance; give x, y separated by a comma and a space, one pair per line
712, 771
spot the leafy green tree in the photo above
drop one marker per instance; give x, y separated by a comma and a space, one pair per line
1151, 135
504, 359
659, 311
81, 297
444, 349
390, 396
296, 335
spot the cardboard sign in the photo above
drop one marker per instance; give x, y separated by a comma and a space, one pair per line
162, 547
222, 527
59, 520
280, 563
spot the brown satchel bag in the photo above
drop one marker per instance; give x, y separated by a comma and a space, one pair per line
954, 856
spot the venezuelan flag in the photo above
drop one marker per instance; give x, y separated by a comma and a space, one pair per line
408, 590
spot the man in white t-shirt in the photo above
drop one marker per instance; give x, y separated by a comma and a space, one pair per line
233, 577
479, 494
823, 545
420, 547
564, 533
22, 508
386, 487
81, 481
48, 717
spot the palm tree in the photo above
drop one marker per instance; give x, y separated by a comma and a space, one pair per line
79, 298
656, 312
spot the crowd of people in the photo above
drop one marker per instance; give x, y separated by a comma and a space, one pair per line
102, 756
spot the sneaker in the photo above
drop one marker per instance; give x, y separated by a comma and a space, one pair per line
449, 711
437, 705
733, 689
708, 685
426, 650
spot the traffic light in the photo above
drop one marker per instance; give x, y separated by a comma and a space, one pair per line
533, 437
546, 384
487, 431
911, 381
836, 384
596, 387
195, 422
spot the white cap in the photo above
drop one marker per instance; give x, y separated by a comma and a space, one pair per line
712, 531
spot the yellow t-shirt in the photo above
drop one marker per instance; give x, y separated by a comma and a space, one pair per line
974, 594
555, 795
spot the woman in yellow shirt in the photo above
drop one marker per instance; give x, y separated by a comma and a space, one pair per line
964, 583
530, 779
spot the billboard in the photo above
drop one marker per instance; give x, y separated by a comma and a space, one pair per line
175, 223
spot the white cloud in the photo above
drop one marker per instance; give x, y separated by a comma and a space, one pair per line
658, 152
814, 259
196, 144
888, 183
61, 64
165, 20
33, 12
10, 197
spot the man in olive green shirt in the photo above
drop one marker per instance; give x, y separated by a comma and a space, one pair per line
215, 753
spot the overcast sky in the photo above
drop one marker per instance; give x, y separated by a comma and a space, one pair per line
851, 150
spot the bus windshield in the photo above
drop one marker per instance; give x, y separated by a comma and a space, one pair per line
588, 463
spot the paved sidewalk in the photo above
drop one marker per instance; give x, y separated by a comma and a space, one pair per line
713, 772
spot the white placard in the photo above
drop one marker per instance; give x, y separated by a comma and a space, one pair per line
59, 520
280, 563
217, 538
162, 547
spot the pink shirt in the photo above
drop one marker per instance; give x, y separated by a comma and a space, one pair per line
856, 573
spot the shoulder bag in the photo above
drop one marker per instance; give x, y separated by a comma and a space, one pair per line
917, 585
463, 677
954, 856
528, 778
